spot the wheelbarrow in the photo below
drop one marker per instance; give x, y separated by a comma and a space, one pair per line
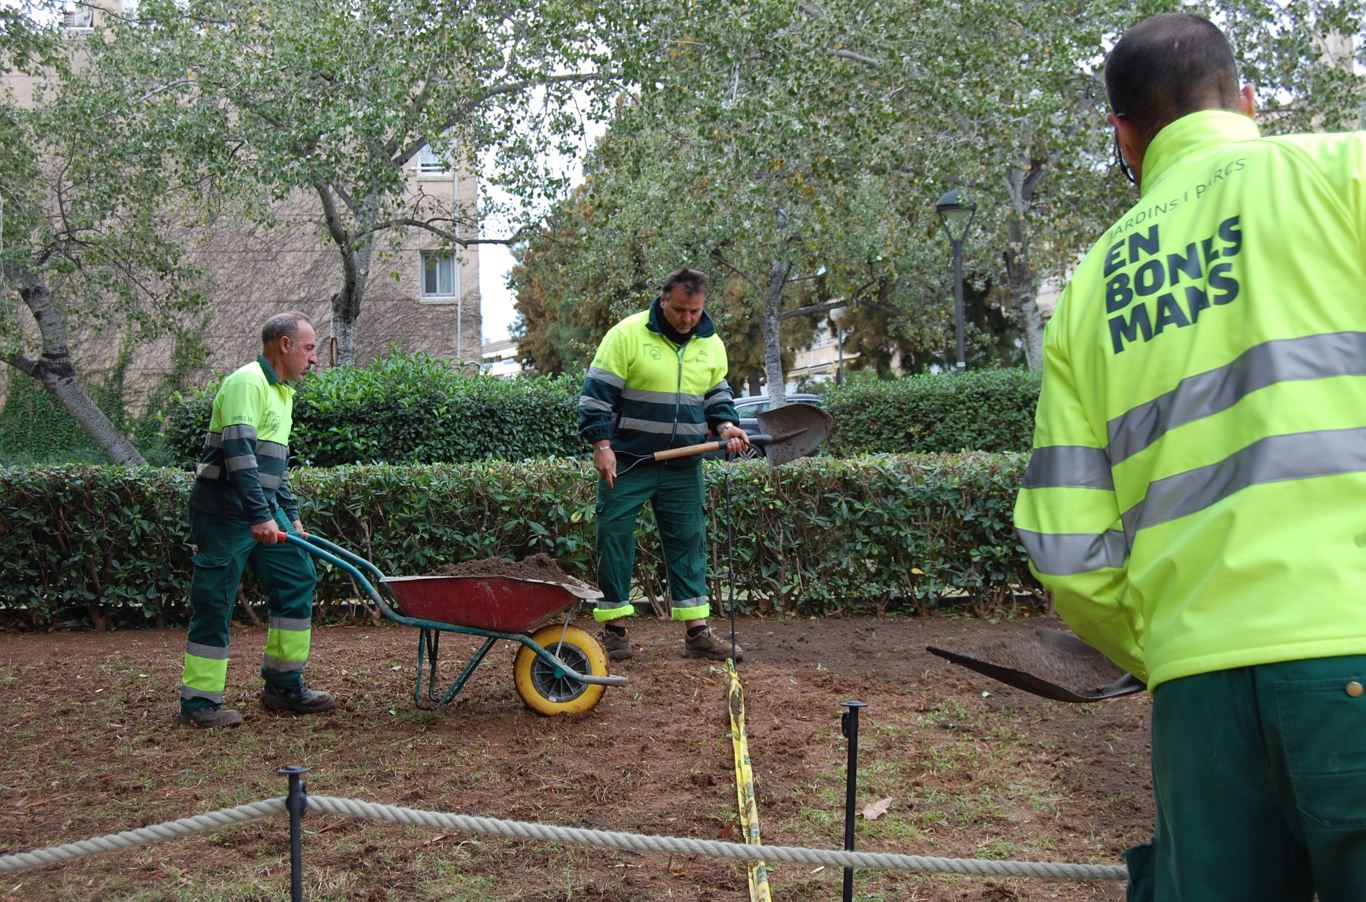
559, 669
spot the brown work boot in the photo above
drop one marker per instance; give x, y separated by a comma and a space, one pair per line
209, 717
617, 645
708, 644
296, 699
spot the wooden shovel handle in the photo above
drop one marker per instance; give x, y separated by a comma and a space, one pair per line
689, 450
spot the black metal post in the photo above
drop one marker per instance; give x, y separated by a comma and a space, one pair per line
958, 300
296, 803
849, 728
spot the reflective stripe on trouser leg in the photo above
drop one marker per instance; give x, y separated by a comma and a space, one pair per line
617, 510
223, 548
679, 506
288, 578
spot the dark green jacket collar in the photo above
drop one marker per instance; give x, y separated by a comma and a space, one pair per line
267, 369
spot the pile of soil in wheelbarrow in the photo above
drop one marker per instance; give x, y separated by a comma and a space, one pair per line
539, 566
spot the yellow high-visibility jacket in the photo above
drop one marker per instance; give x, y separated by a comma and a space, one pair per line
1196, 498
647, 394
243, 472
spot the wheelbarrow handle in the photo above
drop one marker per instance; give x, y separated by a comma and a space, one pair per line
339, 557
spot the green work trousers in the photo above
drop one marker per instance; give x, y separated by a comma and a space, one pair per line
225, 549
1260, 780
677, 496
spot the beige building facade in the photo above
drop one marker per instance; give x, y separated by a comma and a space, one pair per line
419, 297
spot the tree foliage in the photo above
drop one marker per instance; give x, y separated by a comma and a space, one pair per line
87, 191
787, 144
333, 102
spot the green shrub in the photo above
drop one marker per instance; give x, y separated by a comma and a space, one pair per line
408, 409
979, 410
107, 545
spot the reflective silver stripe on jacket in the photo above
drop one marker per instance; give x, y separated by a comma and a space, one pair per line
1208, 393
244, 432
270, 481
1278, 458
602, 375
213, 440
693, 429
240, 462
208, 471
721, 392
1070, 466
1067, 554
589, 403
660, 397
272, 449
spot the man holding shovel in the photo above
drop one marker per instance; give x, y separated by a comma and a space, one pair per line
1195, 497
658, 381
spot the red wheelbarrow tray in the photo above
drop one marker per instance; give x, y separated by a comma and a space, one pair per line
503, 604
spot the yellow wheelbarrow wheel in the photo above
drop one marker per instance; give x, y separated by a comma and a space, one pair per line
549, 693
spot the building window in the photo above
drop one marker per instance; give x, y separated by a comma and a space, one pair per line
79, 17
428, 163
438, 276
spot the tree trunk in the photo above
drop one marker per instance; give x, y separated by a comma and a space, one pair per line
1020, 183
57, 373
773, 352
355, 261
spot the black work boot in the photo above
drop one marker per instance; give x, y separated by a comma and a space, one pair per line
616, 644
707, 644
209, 716
296, 699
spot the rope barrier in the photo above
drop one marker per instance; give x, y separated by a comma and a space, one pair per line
712, 848
215, 820
142, 836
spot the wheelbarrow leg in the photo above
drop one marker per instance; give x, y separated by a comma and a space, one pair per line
428, 645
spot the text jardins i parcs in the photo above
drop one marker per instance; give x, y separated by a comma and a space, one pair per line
1148, 291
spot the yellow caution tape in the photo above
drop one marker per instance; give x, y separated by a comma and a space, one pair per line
744, 786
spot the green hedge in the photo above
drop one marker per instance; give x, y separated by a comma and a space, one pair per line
979, 410
107, 546
406, 409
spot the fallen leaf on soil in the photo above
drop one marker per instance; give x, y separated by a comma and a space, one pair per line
877, 809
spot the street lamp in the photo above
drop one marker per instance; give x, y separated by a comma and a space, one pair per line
956, 212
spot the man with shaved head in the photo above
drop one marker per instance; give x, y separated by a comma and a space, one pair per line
1196, 498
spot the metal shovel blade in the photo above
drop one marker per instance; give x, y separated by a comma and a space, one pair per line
794, 431
1049, 663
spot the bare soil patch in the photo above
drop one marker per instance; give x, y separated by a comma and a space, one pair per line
973, 768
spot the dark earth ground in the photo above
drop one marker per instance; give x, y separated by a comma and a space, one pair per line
972, 768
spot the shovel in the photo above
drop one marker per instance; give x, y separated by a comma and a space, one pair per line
788, 433
1050, 663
